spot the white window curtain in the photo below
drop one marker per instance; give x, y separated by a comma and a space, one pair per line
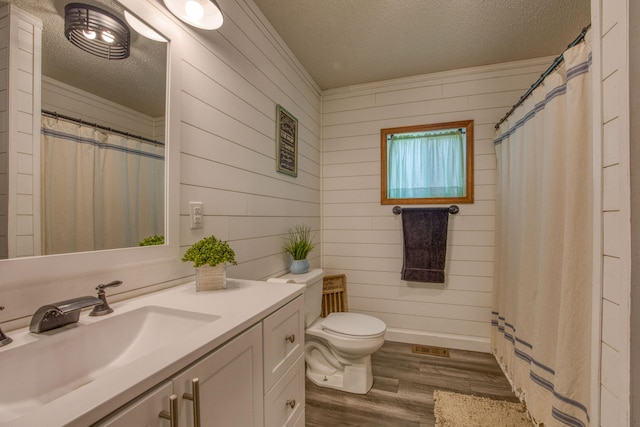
100, 190
543, 269
422, 165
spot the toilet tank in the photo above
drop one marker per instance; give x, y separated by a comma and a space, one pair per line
312, 295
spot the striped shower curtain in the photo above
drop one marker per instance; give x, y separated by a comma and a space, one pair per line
541, 314
100, 190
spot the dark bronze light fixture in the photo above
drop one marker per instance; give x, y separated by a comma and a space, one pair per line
96, 31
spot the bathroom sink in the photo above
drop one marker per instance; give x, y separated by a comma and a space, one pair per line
63, 360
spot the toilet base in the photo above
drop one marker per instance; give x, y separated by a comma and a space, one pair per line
355, 378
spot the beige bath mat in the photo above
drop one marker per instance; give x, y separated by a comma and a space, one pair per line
463, 410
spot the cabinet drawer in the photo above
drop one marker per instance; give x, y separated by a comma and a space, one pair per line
284, 404
283, 335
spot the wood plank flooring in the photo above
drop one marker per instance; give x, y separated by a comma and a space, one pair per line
403, 385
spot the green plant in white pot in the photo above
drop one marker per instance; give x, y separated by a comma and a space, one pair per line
210, 257
299, 243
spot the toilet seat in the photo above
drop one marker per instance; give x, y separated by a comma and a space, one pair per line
353, 325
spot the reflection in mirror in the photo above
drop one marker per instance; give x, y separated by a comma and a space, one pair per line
427, 164
91, 176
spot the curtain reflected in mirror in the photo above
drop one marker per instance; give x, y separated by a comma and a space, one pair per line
100, 190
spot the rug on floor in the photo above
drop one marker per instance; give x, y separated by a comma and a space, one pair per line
463, 410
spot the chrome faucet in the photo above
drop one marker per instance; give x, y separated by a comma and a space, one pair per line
4, 340
59, 314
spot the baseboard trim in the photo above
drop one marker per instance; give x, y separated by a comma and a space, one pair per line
458, 342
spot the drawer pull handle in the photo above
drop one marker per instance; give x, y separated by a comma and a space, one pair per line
291, 403
291, 338
172, 414
194, 396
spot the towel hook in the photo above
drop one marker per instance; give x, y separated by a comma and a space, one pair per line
453, 210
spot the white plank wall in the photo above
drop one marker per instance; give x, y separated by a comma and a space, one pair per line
20, 179
63, 99
230, 89
616, 264
4, 137
363, 239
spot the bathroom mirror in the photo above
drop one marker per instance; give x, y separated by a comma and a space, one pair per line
427, 164
27, 282
122, 98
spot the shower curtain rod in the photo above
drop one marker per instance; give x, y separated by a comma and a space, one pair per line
95, 125
543, 76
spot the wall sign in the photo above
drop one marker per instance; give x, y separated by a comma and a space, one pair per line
286, 142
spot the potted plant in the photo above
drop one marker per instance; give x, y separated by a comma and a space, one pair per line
299, 243
210, 257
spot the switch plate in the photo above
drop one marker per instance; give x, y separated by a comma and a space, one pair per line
195, 215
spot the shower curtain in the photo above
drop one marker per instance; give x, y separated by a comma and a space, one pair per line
543, 271
100, 190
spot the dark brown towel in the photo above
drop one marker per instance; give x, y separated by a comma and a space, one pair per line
424, 231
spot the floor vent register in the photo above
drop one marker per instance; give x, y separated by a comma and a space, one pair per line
429, 350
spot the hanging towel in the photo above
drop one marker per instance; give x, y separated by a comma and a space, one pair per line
424, 232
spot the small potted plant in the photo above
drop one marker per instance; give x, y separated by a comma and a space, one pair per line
210, 257
299, 243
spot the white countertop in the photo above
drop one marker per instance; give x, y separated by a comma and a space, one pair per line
241, 305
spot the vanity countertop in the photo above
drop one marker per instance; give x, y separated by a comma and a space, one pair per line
241, 305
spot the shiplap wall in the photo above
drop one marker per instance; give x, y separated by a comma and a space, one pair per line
230, 89
4, 136
362, 238
63, 99
613, 18
20, 160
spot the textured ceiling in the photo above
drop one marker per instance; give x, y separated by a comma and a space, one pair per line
339, 42
347, 42
137, 82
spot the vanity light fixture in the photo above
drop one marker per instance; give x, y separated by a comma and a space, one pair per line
142, 28
96, 31
204, 14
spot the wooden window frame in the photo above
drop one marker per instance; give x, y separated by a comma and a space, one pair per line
384, 134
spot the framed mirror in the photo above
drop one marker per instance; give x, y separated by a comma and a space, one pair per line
93, 178
34, 280
427, 164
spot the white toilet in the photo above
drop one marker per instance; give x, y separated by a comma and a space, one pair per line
337, 348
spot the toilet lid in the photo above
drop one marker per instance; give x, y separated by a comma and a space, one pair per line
354, 324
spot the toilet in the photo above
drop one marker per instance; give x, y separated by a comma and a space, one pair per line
338, 348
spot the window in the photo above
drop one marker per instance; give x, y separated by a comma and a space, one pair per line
427, 164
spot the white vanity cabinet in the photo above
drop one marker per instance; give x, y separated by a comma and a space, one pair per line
229, 380
229, 390
254, 380
283, 337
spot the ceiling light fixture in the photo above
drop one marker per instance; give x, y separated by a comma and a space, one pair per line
96, 31
142, 28
205, 14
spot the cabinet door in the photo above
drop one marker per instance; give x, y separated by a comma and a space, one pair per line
283, 340
143, 411
230, 383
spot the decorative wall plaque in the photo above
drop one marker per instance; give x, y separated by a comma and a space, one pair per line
286, 142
